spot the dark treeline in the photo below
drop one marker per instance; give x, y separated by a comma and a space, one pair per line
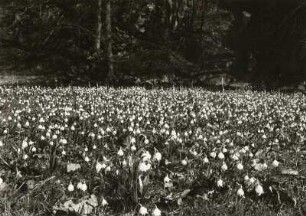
174, 41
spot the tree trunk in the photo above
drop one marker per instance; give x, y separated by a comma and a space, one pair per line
99, 27
109, 51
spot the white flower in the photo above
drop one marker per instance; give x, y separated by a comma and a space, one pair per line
70, 187
144, 166
220, 183
246, 178
25, 156
275, 163
84, 187
213, 154
259, 190
143, 210
87, 159
99, 166
1, 143
54, 136
240, 192
184, 162
157, 156
120, 152
224, 167
156, 212
240, 166
63, 152
80, 185
133, 148
24, 144
235, 156
146, 156
107, 169
205, 160
104, 202
133, 140
27, 124
221, 156
1, 181
63, 141
252, 180
167, 179
34, 149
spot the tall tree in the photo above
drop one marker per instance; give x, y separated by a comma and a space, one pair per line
109, 50
99, 26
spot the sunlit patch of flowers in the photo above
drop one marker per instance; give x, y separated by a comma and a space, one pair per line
149, 144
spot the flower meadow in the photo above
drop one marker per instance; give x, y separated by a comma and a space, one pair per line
102, 151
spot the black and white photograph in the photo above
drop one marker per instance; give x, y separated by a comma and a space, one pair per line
152, 107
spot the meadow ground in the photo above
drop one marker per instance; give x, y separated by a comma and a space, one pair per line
105, 151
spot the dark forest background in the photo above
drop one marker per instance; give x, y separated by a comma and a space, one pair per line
153, 42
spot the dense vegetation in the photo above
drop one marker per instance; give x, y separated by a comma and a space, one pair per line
177, 41
187, 151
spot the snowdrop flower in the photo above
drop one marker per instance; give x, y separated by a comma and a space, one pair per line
184, 162
224, 167
63, 152
240, 192
25, 156
70, 187
1, 143
63, 141
259, 190
275, 163
27, 124
156, 212
54, 137
24, 144
246, 178
235, 156
79, 185
143, 210
133, 148
1, 181
239, 166
157, 156
221, 156
84, 187
167, 179
252, 180
87, 159
205, 160
120, 152
213, 154
104, 202
34, 149
99, 166
220, 183
144, 166
107, 169
133, 140
146, 156
94, 147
